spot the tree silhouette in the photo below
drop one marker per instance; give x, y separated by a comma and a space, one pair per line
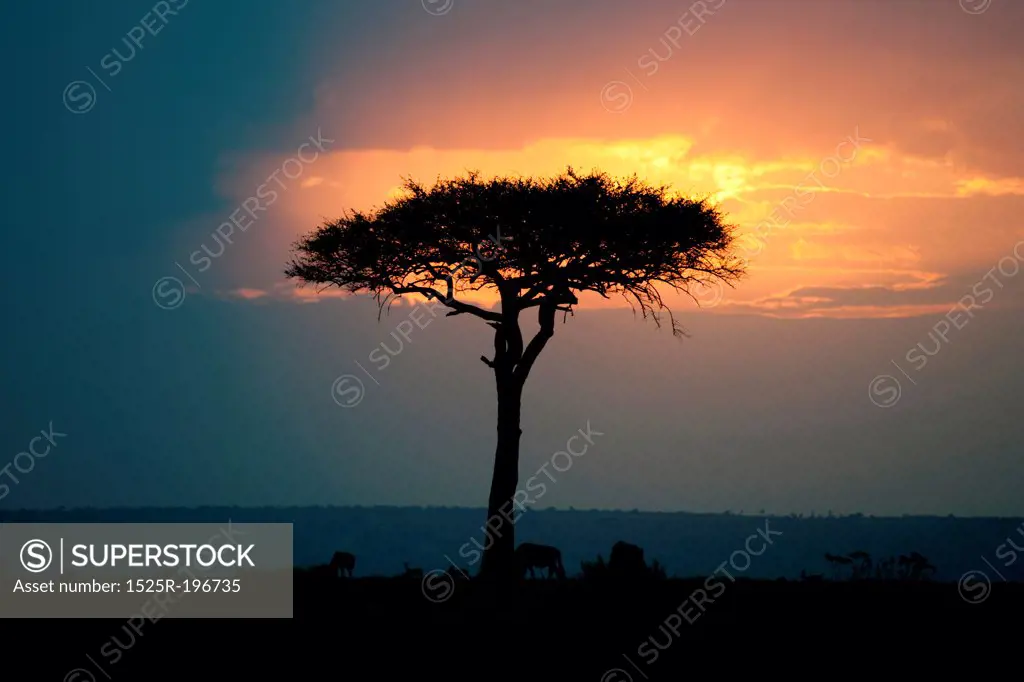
534, 243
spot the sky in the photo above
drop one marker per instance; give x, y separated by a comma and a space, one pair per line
870, 154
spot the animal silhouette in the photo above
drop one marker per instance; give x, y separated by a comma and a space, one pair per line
531, 557
627, 560
342, 564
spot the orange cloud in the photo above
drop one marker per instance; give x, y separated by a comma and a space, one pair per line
248, 294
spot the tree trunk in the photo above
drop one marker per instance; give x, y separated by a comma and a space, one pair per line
499, 559
511, 364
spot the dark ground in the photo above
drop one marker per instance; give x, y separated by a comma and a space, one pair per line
371, 628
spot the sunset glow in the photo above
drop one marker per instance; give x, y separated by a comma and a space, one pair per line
863, 184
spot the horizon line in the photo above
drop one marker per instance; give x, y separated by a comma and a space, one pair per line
728, 512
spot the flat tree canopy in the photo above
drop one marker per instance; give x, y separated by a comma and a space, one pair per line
533, 241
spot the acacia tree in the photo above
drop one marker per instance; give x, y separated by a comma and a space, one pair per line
534, 243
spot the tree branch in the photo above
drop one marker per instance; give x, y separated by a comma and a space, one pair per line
546, 318
458, 307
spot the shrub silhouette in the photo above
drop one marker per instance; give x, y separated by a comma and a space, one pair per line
594, 570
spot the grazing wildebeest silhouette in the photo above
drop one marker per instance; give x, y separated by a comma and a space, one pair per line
530, 556
343, 563
627, 560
